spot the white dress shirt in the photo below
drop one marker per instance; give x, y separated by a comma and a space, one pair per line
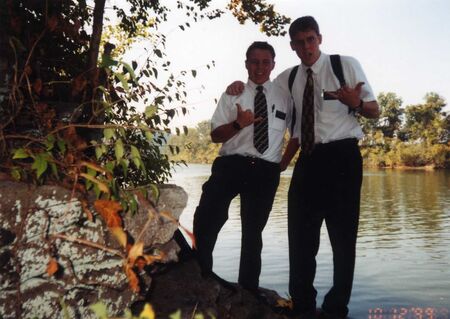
332, 121
279, 112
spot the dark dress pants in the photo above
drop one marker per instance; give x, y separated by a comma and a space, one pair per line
256, 182
325, 185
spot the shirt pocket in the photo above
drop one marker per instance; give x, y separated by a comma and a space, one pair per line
333, 106
278, 122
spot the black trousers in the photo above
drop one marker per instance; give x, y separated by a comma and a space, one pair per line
256, 182
325, 185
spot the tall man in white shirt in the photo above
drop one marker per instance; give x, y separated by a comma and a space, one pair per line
327, 177
326, 181
241, 169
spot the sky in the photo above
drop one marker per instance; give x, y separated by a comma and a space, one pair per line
402, 45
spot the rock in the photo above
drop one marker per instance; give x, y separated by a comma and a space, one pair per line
182, 288
30, 215
158, 229
86, 275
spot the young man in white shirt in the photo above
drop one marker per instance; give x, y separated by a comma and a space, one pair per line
251, 127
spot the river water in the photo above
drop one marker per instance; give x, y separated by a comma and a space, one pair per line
403, 251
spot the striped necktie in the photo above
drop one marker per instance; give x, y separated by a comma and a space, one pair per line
308, 115
260, 131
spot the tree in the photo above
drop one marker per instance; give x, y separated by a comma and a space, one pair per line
68, 114
426, 122
391, 113
415, 136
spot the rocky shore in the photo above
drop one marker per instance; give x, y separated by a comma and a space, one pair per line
40, 225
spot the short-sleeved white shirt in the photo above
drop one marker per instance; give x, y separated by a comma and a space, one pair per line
279, 111
332, 119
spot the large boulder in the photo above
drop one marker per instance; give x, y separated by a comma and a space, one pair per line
88, 269
181, 288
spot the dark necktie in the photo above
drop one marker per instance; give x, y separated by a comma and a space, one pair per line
308, 115
260, 132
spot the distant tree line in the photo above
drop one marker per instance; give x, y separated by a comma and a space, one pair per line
413, 136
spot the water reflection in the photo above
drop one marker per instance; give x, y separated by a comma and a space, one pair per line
403, 252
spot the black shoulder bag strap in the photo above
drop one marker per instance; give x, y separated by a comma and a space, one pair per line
337, 68
336, 64
291, 83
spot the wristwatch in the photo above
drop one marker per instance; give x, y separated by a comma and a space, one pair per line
236, 126
359, 108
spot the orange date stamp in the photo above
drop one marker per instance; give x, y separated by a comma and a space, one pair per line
409, 313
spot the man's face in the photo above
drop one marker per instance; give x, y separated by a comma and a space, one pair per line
306, 45
259, 65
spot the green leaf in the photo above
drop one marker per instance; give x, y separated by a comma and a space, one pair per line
150, 111
91, 172
155, 192
100, 150
133, 205
109, 166
88, 184
100, 310
97, 191
54, 169
119, 150
142, 166
64, 309
124, 163
123, 80
107, 61
103, 89
62, 146
108, 133
137, 162
15, 173
176, 315
40, 164
122, 131
128, 314
20, 153
130, 70
135, 152
148, 135
50, 142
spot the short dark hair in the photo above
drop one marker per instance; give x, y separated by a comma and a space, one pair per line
303, 24
262, 45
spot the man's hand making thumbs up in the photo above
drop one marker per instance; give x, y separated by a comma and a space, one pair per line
244, 118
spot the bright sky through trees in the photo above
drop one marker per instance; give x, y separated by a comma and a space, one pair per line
403, 46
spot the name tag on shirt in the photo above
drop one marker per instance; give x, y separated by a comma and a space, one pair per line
280, 115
